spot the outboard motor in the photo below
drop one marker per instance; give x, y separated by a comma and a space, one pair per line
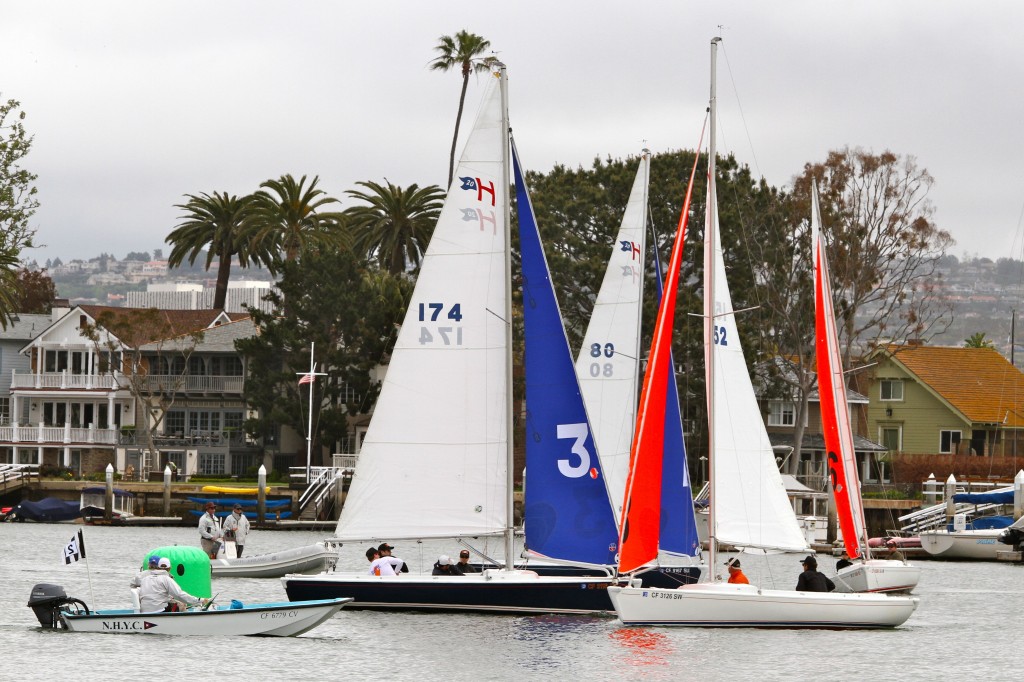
47, 601
1012, 536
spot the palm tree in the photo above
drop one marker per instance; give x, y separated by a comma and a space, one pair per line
286, 217
977, 340
214, 223
461, 50
396, 224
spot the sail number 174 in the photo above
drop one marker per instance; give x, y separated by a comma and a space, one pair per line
449, 334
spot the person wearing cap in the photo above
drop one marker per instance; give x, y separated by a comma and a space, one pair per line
844, 561
736, 576
158, 590
811, 580
152, 565
383, 565
443, 566
236, 527
209, 531
385, 551
464, 566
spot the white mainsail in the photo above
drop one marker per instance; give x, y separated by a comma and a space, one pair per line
750, 506
434, 459
609, 358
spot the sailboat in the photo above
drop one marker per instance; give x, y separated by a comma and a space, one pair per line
748, 505
608, 367
436, 461
865, 574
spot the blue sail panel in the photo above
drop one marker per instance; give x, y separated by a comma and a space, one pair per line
567, 511
678, 524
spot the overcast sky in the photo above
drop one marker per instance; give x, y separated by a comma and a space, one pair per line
134, 104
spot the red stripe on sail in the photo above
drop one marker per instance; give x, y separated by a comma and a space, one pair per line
638, 534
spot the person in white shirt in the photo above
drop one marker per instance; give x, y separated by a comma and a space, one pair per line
236, 527
158, 589
387, 565
154, 564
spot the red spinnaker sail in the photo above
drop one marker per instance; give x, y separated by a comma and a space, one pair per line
638, 534
835, 415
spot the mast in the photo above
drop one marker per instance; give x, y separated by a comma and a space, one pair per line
509, 464
709, 299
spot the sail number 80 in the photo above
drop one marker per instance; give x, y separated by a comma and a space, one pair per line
598, 350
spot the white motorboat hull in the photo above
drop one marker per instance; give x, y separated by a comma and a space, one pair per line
281, 619
962, 544
310, 559
878, 575
726, 605
492, 591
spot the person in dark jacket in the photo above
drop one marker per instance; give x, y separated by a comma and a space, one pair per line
444, 566
811, 580
843, 562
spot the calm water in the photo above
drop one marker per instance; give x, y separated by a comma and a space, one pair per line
970, 620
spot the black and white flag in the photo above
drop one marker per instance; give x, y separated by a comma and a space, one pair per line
74, 550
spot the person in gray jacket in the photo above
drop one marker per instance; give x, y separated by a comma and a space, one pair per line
158, 589
236, 527
209, 531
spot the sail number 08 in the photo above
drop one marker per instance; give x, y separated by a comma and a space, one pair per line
449, 335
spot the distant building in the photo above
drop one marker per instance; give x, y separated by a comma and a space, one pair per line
191, 296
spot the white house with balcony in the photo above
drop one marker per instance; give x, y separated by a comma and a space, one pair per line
71, 406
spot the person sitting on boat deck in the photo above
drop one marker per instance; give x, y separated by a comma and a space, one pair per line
844, 561
811, 580
444, 566
894, 551
153, 564
158, 589
736, 576
236, 527
383, 565
385, 551
209, 531
464, 566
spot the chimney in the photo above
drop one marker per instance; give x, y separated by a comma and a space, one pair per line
61, 307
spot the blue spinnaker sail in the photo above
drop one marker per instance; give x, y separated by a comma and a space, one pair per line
567, 511
678, 524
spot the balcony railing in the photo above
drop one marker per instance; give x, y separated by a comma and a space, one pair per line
194, 383
66, 380
38, 434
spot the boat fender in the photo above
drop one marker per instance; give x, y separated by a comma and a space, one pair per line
235, 604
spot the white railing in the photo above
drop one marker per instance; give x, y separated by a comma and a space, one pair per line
194, 384
57, 434
62, 380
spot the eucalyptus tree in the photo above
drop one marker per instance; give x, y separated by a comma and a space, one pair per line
215, 224
461, 51
286, 217
394, 225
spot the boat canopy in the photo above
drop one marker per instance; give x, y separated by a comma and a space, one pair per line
47, 510
998, 497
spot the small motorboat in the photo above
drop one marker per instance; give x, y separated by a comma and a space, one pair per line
55, 610
189, 567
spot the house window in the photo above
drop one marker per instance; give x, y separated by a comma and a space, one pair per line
232, 366
5, 410
211, 463
174, 423
781, 414
948, 441
892, 389
891, 437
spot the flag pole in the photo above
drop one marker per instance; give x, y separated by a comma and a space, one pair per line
309, 430
88, 570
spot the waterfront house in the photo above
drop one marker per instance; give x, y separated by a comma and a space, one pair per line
946, 400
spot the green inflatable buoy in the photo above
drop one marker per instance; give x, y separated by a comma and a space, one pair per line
190, 568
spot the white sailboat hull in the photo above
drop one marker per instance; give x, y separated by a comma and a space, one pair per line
310, 559
726, 605
878, 575
963, 544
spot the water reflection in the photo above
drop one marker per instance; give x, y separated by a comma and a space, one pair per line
642, 647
